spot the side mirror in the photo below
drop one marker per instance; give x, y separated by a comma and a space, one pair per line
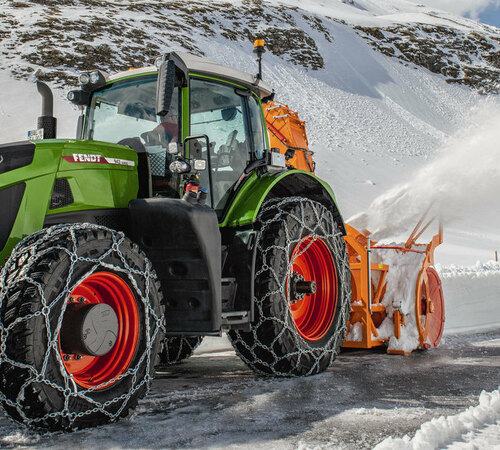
172, 73
165, 87
195, 150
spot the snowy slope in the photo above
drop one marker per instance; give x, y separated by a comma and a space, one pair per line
374, 120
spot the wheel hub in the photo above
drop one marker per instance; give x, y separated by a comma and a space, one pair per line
300, 287
89, 329
313, 288
100, 330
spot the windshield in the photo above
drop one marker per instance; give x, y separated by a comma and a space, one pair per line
125, 113
128, 109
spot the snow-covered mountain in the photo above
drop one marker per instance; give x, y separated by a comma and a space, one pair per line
69, 35
382, 84
402, 109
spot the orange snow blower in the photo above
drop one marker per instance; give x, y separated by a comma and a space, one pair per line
397, 298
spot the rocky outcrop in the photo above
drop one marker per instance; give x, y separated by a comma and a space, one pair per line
67, 36
468, 58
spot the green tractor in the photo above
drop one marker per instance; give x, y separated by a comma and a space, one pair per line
167, 219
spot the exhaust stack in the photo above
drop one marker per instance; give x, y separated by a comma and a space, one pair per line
47, 121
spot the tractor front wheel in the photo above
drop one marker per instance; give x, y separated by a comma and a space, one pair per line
302, 291
81, 322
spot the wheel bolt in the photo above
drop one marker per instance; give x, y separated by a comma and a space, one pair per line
78, 357
67, 357
81, 299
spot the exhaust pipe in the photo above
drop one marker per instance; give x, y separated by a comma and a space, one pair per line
47, 121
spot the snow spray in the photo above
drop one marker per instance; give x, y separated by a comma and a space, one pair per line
463, 178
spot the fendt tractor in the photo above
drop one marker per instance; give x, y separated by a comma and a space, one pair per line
187, 206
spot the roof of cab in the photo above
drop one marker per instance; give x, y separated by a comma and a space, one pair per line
203, 66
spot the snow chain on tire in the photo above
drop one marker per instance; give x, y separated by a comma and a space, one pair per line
274, 346
35, 388
177, 349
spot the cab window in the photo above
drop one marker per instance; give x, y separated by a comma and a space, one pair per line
257, 126
220, 112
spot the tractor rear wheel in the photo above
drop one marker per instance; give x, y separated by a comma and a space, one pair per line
302, 291
177, 349
81, 322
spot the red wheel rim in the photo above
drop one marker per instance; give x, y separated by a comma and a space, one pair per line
313, 315
434, 316
100, 372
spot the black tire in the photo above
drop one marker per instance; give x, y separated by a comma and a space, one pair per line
177, 349
275, 346
37, 280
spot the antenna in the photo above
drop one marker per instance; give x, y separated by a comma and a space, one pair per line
259, 51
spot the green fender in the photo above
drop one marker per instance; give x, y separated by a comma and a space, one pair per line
247, 203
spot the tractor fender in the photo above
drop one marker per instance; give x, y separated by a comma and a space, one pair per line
248, 201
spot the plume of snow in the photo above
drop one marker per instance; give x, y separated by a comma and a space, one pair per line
463, 178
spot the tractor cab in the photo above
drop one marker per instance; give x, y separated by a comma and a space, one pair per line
192, 122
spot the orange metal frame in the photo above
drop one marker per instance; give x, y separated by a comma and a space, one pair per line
288, 134
368, 282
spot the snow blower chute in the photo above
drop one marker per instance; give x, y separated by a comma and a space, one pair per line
397, 299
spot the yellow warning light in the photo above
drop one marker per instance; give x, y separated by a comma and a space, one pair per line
258, 43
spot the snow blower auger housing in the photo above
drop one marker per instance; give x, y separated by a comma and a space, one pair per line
397, 298
168, 218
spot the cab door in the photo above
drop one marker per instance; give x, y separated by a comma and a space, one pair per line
224, 112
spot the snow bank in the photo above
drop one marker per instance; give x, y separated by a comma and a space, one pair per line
471, 296
439, 432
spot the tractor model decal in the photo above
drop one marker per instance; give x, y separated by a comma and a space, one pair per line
97, 159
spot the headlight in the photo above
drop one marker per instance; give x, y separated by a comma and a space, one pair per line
200, 164
80, 98
94, 77
84, 79
97, 79
180, 166
92, 81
